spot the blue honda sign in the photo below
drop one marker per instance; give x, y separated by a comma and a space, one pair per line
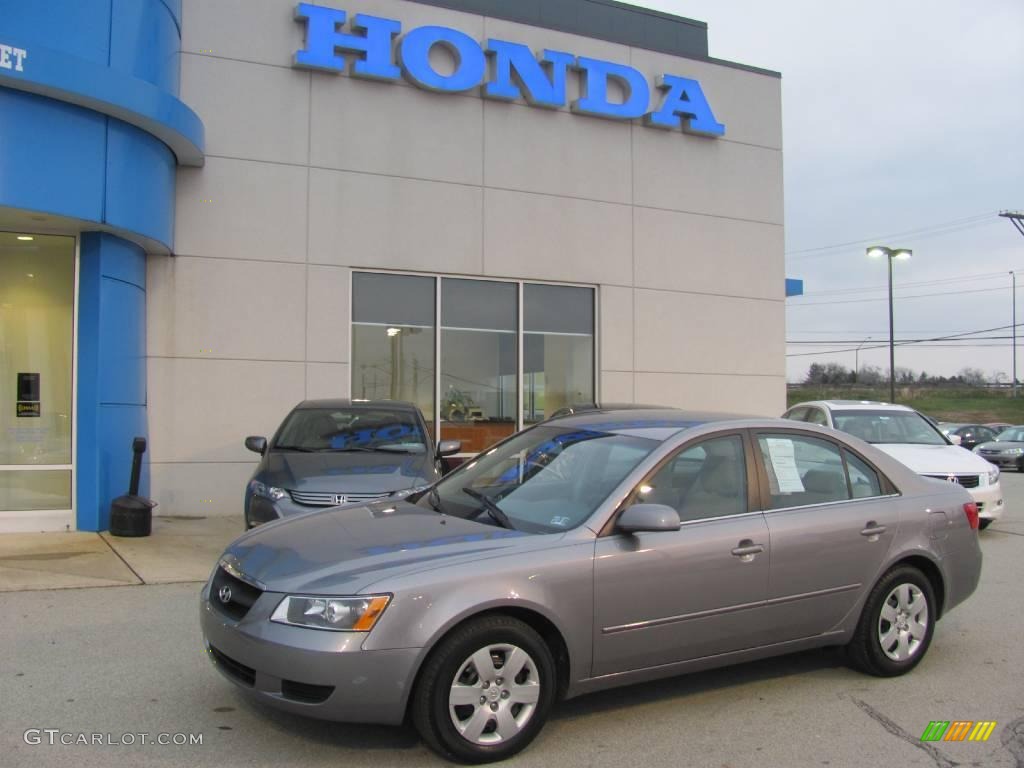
504, 70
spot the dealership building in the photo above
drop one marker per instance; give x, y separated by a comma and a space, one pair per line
211, 210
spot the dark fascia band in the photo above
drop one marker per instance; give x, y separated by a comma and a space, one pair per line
604, 20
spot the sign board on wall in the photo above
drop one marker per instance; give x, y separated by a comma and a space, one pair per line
28, 396
503, 70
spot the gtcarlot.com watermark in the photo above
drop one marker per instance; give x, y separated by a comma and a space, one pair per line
57, 737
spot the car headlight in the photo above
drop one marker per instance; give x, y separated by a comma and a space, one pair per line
993, 475
1014, 451
267, 492
340, 614
407, 492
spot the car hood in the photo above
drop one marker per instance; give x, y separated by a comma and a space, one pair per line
343, 550
1000, 445
936, 459
344, 472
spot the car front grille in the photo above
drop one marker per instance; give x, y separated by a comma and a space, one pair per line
243, 674
332, 499
232, 596
967, 481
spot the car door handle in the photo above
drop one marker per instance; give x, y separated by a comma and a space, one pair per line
873, 529
747, 549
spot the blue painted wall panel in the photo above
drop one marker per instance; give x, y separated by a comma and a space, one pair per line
145, 42
80, 28
111, 372
139, 201
52, 156
122, 376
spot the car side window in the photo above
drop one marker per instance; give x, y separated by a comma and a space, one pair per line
864, 482
797, 414
802, 470
705, 480
816, 416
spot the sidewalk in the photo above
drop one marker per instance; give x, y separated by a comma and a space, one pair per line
181, 549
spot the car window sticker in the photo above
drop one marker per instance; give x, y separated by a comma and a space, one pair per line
782, 455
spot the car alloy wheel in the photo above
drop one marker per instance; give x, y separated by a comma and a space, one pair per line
903, 622
896, 625
494, 694
485, 691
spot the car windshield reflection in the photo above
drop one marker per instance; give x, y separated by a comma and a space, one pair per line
543, 480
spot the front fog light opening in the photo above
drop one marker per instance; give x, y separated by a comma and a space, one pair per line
338, 614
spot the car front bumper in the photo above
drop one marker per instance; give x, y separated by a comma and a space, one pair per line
316, 673
989, 499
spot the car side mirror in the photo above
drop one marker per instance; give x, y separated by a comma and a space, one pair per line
256, 444
954, 439
648, 518
449, 447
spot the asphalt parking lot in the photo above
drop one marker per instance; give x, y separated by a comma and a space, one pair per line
123, 661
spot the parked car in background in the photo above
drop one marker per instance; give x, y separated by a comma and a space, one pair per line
969, 435
591, 551
331, 452
1006, 451
999, 426
909, 437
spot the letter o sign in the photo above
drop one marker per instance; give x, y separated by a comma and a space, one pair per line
470, 60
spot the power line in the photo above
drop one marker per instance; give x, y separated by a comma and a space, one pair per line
947, 227
977, 277
951, 337
901, 298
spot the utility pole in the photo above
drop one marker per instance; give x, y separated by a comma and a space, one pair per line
1017, 219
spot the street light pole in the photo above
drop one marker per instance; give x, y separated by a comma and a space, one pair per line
1013, 282
892, 343
875, 252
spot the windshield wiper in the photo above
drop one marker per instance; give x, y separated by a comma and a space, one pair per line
350, 449
294, 448
490, 507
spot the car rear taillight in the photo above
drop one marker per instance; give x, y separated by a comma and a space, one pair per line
971, 510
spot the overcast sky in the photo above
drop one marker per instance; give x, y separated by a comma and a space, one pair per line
903, 124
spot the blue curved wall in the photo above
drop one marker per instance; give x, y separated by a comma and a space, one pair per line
93, 130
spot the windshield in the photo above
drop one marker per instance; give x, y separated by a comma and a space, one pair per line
1013, 435
888, 427
351, 429
543, 480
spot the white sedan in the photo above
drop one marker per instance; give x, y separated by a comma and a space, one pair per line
909, 437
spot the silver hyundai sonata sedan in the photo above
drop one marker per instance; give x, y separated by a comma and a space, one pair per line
595, 550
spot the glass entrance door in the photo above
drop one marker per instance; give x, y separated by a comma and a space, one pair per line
37, 311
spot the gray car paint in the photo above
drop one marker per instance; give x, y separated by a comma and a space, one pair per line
623, 616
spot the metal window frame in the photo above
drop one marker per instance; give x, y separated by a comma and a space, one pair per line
521, 284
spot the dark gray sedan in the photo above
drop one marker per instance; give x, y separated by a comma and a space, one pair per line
1006, 451
331, 452
590, 551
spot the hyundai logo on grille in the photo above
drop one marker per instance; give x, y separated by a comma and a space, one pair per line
225, 594
339, 499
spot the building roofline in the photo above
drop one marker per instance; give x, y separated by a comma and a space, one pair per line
609, 20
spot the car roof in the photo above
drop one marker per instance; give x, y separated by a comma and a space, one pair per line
655, 422
344, 402
856, 405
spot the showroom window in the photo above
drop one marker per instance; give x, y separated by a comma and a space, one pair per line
558, 350
479, 354
507, 353
393, 339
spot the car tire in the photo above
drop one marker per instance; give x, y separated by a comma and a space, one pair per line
896, 625
460, 717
